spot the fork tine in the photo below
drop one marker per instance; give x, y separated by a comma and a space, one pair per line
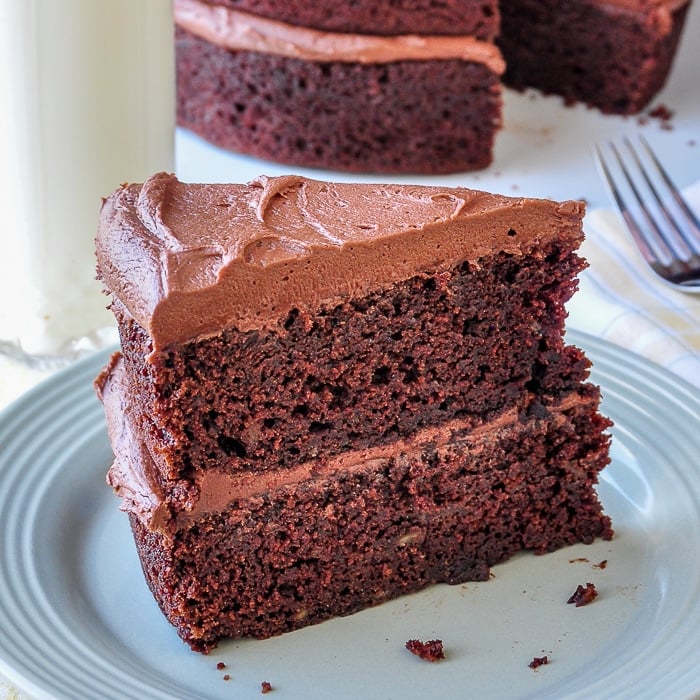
651, 249
655, 230
679, 242
691, 217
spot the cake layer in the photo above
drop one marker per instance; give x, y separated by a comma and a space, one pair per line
365, 96
468, 17
443, 508
614, 54
427, 116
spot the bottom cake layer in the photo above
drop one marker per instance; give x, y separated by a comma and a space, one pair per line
430, 116
440, 509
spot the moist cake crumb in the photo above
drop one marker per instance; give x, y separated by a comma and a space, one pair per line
583, 595
265, 687
539, 661
662, 112
431, 650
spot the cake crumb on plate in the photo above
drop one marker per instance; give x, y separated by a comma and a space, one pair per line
583, 595
538, 661
431, 650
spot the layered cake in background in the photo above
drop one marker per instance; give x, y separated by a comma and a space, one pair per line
410, 87
611, 54
329, 395
375, 88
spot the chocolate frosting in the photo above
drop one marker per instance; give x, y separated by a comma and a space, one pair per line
131, 474
186, 261
235, 30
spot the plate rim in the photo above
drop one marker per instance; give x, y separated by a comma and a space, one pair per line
631, 366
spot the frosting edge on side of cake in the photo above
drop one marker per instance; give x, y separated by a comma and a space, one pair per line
236, 30
261, 250
137, 489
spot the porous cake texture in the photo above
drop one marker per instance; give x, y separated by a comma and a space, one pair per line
409, 87
345, 90
329, 395
611, 54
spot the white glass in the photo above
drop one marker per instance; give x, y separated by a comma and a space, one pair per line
88, 103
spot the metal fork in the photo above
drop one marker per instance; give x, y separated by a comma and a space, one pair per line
665, 229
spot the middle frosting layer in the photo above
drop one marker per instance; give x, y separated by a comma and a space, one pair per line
241, 31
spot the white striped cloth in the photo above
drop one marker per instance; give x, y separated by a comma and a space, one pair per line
7, 692
622, 300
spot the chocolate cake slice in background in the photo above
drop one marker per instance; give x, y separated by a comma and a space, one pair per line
375, 89
332, 394
409, 87
611, 54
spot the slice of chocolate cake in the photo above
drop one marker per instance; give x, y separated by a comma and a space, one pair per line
332, 394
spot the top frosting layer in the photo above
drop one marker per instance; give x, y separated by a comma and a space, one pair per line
242, 31
643, 5
187, 260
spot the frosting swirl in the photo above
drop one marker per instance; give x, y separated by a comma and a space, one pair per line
186, 261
